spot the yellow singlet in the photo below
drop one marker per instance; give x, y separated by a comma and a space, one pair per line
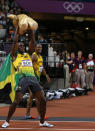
38, 65
23, 64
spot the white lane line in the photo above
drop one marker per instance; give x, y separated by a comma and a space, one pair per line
51, 121
52, 129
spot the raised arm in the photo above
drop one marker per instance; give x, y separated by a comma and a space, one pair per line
15, 44
32, 43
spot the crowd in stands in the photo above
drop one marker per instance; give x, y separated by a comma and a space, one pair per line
6, 27
80, 71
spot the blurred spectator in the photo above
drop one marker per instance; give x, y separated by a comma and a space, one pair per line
72, 68
80, 74
41, 39
90, 71
11, 33
3, 21
2, 34
18, 11
1, 26
50, 56
56, 59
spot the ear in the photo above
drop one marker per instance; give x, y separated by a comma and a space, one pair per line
11, 16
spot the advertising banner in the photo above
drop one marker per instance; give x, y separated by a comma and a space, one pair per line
82, 7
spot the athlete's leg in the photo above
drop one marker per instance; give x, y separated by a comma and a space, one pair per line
41, 105
29, 103
12, 108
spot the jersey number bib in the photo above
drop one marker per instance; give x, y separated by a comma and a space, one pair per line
26, 63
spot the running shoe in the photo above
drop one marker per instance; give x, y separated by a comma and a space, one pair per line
6, 124
45, 124
29, 117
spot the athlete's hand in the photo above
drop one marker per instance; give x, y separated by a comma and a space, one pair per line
48, 78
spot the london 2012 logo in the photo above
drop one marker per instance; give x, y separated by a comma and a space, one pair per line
73, 6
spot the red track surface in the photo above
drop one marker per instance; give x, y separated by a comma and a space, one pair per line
81, 107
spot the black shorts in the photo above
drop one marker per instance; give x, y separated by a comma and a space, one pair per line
28, 82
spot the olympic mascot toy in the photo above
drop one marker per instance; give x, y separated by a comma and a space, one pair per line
24, 22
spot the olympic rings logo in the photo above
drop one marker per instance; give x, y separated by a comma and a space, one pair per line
73, 7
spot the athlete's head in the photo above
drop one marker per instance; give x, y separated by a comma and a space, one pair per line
38, 48
21, 48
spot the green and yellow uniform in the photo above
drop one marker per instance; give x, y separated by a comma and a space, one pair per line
23, 64
38, 65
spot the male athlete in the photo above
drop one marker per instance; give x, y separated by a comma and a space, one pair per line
24, 67
39, 69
